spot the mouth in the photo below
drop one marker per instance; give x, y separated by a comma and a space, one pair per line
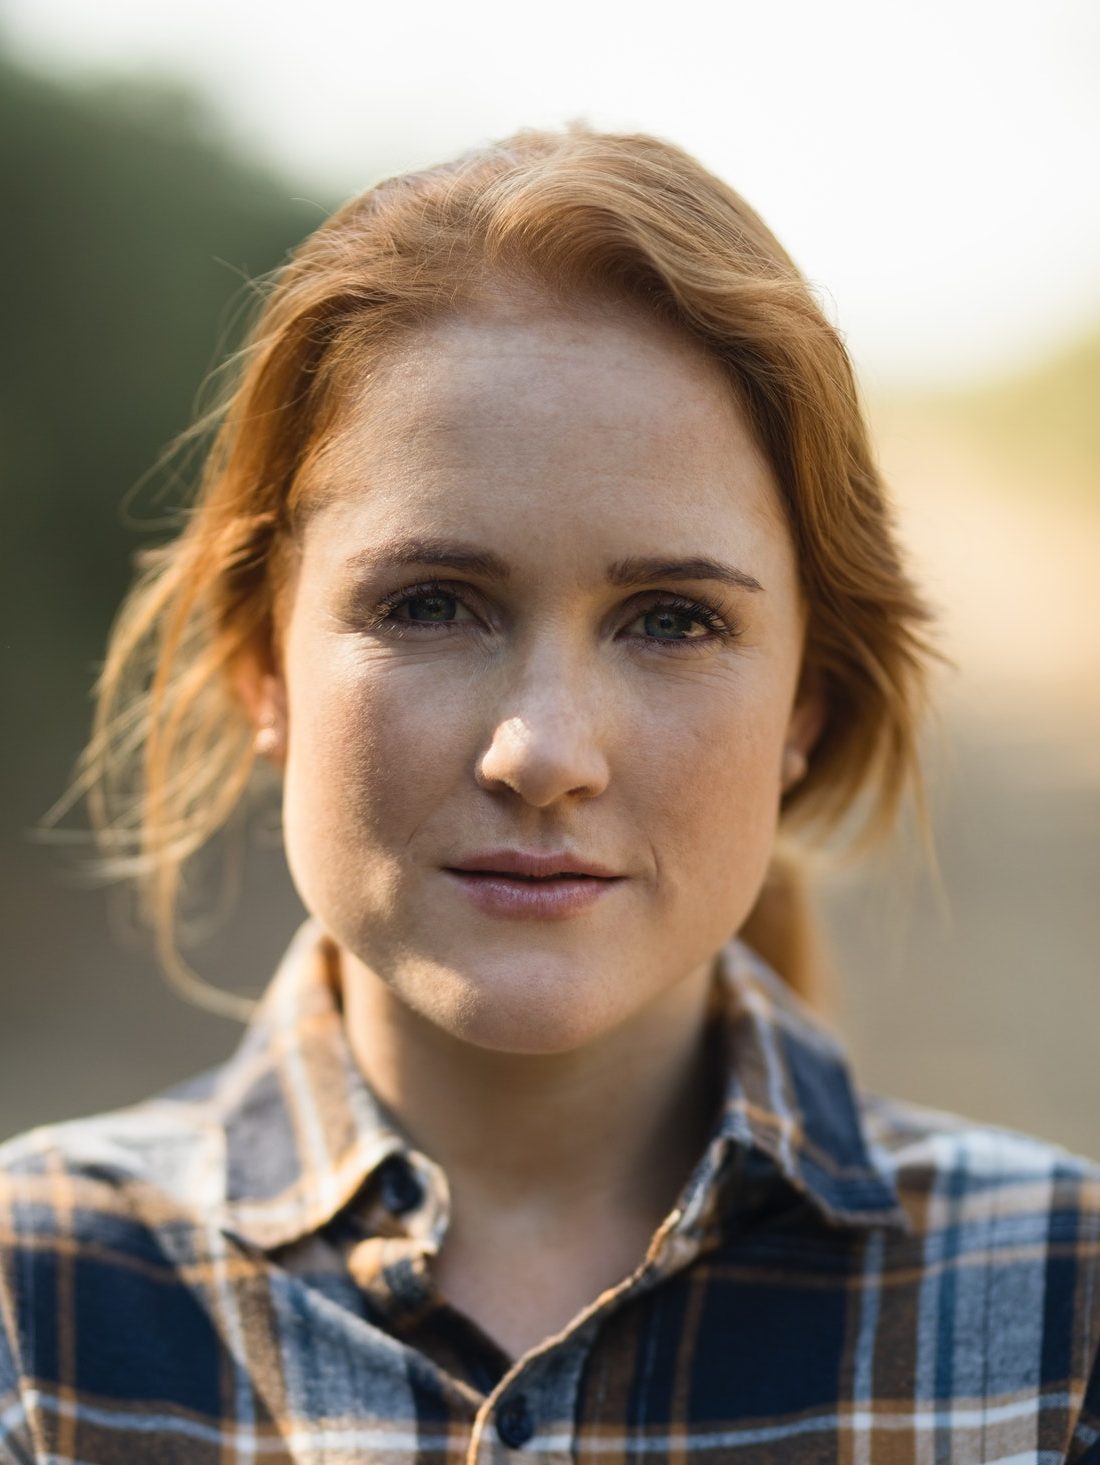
507, 894
522, 879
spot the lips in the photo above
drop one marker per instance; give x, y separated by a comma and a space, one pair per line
533, 865
506, 894
527, 879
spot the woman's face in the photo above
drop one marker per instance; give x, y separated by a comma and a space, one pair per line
435, 709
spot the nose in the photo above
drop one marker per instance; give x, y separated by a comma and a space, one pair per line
549, 743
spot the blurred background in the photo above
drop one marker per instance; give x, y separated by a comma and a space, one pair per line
933, 171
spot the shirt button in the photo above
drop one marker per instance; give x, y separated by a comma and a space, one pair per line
401, 1190
514, 1423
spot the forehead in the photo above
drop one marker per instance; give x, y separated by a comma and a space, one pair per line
512, 414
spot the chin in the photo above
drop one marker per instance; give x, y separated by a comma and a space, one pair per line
515, 1011
531, 1035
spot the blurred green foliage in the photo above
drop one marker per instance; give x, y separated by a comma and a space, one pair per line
130, 235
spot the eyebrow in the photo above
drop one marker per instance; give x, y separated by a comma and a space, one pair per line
633, 570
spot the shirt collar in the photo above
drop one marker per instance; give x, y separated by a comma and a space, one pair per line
304, 1131
791, 1093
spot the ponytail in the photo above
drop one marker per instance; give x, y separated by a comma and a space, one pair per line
785, 929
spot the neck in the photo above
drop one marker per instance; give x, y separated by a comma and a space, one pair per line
611, 1129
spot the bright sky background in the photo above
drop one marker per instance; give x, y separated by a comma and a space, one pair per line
934, 168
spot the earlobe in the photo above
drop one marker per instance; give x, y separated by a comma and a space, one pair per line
263, 696
809, 712
807, 722
795, 767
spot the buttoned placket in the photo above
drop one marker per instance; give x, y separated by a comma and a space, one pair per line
529, 1406
533, 1405
394, 1227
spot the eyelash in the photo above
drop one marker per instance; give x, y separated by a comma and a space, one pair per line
719, 629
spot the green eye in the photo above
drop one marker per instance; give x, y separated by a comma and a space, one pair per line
435, 600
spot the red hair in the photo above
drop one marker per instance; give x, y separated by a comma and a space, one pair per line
573, 213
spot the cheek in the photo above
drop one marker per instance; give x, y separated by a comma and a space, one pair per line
717, 794
369, 757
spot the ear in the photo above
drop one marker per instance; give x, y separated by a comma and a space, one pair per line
262, 693
808, 715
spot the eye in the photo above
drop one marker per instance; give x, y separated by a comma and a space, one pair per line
432, 608
428, 606
671, 611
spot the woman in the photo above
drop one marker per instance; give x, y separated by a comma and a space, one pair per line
542, 555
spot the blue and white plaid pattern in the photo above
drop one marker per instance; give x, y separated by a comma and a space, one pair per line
240, 1271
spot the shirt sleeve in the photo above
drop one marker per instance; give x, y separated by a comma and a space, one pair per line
16, 1445
1084, 1447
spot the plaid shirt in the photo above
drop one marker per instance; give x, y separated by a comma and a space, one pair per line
239, 1271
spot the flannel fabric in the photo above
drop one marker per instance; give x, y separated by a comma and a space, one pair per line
239, 1270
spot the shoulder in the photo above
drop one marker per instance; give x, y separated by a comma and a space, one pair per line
117, 1188
104, 1224
143, 1160
95, 1204
1004, 1250
946, 1157
1005, 1244
987, 1187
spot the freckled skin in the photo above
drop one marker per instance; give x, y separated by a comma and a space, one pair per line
561, 441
